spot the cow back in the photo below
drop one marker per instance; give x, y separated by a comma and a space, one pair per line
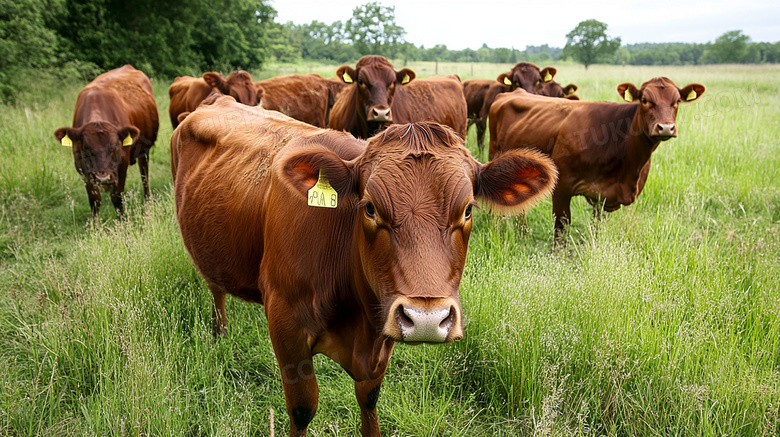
438, 99
302, 97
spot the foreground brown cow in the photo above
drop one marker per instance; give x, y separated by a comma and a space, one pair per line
115, 123
350, 246
602, 149
378, 95
304, 97
187, 92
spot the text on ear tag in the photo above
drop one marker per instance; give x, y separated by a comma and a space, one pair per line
691, 95
322, 194
66, 141
127, 141
628, 96
347, 78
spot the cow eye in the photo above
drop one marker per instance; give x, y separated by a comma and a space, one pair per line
467, 214
644, 101
370, 211
360, 82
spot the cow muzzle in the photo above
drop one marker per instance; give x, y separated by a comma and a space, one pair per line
424, 320
380, 114
664, 131
104, 179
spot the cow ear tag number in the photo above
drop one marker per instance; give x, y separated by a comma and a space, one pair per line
691, 95
66, 141
127, 141
322, 194
628, 96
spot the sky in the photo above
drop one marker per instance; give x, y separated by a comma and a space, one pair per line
469, 24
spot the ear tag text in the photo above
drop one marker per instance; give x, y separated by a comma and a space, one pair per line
66, 141
322, 194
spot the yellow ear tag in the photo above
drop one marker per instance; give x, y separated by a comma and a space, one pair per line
128, 141
66, 141
406, 79
571, 91
322, 194
507, 81
548, 77
691, 95
628, 96
346, 77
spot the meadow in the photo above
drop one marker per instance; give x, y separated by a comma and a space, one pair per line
663, 319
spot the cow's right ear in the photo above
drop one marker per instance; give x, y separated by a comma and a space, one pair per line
515, 181
215, 80
347, 74
628, 91
302, 170
570, 89
66, 135
548, 73
405, 76
504, 79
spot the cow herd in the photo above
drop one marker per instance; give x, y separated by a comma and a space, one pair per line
344, 205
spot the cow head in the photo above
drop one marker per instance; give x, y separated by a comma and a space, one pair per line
100, 149
554, 89
658, 99
528, 77
411, 196
238, 84
376, 81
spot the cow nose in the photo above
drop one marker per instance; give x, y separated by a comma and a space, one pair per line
665, 130
419, 325
102, 177
380, 114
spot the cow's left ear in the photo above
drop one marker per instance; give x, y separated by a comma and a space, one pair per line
692, 92
128, 135
515, 181
570, 89
628, 91
215, 80
405, 76
302, 170
548, 73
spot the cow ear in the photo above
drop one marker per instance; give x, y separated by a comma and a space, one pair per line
128, 135
346, 73
215, 80
405, 76
570, 89
548, 73
504, 79
67, 135
692, 92
303, 170
628, 91
515, 181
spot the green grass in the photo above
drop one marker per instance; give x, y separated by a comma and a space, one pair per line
661, 320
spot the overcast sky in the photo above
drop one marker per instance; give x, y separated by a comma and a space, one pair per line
468, 24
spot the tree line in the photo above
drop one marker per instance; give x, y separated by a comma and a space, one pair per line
166, 38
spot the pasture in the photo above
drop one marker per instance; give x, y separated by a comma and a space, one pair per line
662, 319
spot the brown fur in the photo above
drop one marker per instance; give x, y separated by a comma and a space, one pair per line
602, 149
187, 92
304, 97
336, 281
114, 105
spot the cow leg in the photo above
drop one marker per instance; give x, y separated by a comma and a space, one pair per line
118, 193
143, 165
93, 193
562, 213
481, 127
218, 316
367, 393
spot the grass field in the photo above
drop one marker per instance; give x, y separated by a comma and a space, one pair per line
661, 320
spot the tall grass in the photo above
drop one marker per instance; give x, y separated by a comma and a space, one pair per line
661, 319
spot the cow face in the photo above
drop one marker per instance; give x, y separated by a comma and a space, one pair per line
238, 85
658, 100
554, 89
100, 150
376, 81
411, 197
528, 77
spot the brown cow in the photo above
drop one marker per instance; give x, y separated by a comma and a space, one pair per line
378, 95
115, 123
602, 149
187, 92
350, 245
480, 94
527, 76
552, 88
304, 97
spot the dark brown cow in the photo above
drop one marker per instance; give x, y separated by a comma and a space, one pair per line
480, 94
350, 245
552, 88
378, 95
602, 149
527, 76
187, 92
304, 97
115, 123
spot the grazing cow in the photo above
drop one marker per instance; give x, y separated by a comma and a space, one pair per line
378, 95
115, 123
187, 92
304, 97
602, 149
350, 245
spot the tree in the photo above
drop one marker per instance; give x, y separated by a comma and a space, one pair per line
731, 47
588, 43
372, 29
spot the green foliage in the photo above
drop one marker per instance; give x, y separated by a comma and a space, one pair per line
588, 43
372, 29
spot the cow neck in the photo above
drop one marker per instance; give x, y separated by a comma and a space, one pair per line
638, 146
